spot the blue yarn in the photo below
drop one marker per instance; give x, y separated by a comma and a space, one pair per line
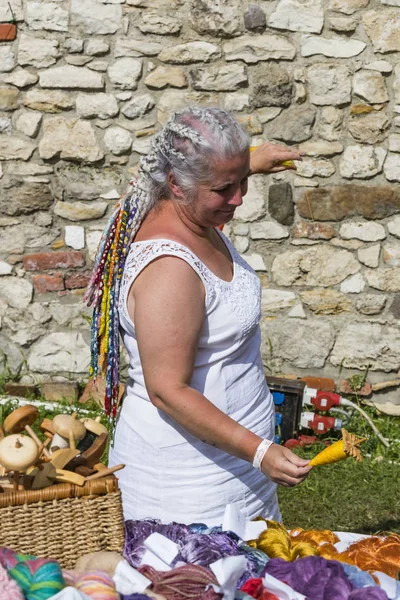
358, 577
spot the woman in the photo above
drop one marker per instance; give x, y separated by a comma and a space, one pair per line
197, 422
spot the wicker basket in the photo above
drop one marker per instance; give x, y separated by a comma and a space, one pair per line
63, 521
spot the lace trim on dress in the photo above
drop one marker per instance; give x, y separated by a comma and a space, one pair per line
242, 293
143, 253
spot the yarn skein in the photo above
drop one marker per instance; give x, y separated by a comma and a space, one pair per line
39, 579
9, 589
277, 543
9, 558
198, 545
189, 582
321, 579
95, 584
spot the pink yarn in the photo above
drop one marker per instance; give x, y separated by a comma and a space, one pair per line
95, 584
9, 589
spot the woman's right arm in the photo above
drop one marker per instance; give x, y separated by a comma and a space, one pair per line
166, 303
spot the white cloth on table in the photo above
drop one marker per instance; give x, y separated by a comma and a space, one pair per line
171, 475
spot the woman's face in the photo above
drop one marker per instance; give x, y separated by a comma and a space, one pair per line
217, 200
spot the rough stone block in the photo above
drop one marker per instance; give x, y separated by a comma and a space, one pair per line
313, 231
54, 391
60, 352
325, 384
280, 203
25, 198
53, 260
254, 18
8, 32
48, 283
77, 280
22, 390
220, 19
272, 86
337, 203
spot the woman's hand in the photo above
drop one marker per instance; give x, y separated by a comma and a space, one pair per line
268, 158
282, 466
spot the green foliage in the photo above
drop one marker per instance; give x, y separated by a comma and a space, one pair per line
348, 496
357, 381
7, 374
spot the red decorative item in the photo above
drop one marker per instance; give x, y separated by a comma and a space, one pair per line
8, 32
254, 587
302, 440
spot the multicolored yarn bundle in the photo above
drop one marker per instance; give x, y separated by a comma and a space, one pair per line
8, 588
9, 558
314, 576
95, 584
321, 579
39, 579
169, 149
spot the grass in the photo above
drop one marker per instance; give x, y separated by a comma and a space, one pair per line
348, 496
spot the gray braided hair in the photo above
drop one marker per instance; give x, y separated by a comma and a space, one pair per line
188, 147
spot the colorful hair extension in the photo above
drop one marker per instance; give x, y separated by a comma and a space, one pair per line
180, 135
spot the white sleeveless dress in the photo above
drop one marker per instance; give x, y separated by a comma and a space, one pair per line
171, 475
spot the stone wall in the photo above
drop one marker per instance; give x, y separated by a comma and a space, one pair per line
85, 85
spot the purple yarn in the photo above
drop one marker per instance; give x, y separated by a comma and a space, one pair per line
279, 568
201, 549
136, 532
368, 593
195, 548
198, 545
320, 579
134, 597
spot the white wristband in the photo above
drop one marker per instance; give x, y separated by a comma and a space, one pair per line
260, 453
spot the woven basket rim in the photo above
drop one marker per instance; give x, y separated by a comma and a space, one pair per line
97, 487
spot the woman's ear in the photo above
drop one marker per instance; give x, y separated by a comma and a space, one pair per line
176, 190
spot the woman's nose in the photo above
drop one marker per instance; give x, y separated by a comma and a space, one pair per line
237, 199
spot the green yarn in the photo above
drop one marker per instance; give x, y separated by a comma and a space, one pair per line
39, 579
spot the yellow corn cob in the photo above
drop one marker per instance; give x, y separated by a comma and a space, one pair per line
284, 163
347, 446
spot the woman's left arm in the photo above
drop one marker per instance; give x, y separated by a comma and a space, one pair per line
268, 158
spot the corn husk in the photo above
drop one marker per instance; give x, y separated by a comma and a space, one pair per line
347, 446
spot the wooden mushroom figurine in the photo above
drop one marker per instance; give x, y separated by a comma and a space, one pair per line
17, 454
21, 419
68, 431
93, 430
